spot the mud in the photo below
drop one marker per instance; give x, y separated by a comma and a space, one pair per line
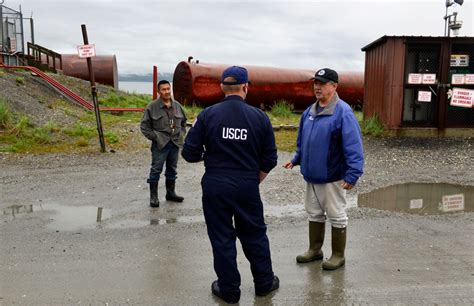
53, 250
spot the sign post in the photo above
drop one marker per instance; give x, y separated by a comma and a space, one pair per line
87, 51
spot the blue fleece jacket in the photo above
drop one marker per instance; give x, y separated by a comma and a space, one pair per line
329, 144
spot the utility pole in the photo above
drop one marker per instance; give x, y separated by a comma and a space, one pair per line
94, 91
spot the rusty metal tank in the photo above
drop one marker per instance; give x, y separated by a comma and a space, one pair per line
105, 68
199, 83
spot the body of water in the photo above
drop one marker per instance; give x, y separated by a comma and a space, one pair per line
137, 87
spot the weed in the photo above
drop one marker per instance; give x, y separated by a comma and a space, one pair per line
20, 80
372, 126
42, 136
5, 114
22, 126
111, 137
79, 130
192, 111
281, 108
286, 140
82, 142
51, 127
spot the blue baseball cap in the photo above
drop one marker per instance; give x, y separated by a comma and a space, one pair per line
238, 73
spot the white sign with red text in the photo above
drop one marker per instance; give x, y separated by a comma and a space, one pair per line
469, 79
429, 78
85, 51
453, 202
457, 79
414, 78
424, 96
462, 97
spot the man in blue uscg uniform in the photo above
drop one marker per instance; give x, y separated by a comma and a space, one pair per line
237, 144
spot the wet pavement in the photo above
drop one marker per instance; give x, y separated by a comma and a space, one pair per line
82, 233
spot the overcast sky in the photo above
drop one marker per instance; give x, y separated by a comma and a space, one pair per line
292, 34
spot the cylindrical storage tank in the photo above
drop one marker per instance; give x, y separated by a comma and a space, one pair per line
200, 84
105, 68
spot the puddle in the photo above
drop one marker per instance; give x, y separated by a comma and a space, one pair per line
421, 198
64, 218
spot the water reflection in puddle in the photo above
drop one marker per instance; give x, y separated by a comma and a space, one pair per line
64, 218
420, 198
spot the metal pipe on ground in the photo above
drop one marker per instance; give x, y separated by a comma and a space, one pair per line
200, 84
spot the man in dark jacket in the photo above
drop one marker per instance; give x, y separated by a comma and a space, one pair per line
164, 123
329, 151
237, 144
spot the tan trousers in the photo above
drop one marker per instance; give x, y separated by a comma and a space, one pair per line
329, 200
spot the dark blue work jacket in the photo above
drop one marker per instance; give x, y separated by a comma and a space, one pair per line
232, 137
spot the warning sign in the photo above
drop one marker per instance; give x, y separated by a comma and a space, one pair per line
453, 202
416, 203
85, 51
414, 78
462, 97
424, 96
459, 60
469, 79
457, 79
429, 78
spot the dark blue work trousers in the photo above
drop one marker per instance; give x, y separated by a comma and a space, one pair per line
168, 154
233, 208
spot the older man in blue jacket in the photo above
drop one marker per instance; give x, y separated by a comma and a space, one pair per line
329, 152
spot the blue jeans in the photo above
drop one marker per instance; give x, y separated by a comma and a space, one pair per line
169, 154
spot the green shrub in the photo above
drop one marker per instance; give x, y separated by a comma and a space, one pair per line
192, 111
51, 127
20, 80
111, 137
79, 130
372, 126
281, 108
22, 126
5, 114
41, 136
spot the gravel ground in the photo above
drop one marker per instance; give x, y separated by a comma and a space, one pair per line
388, 161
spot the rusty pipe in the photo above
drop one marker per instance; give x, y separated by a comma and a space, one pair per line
200, 84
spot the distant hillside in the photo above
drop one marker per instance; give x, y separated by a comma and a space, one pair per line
145, 77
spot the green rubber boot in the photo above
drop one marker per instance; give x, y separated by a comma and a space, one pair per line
316, 239
338, 243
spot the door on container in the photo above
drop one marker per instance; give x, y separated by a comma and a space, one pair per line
459, 113
420, 99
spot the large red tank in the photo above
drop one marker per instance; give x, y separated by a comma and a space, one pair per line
105, 68
200, 84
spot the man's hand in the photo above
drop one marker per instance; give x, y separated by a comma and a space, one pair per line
288, 165
347, 186
262, 175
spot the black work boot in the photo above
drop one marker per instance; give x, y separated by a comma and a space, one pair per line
154, 202
316, 239
275, 286
338, 242
170, 193
228, 298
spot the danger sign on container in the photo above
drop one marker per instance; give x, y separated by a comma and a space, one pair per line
462, 97
85, 51
453, 202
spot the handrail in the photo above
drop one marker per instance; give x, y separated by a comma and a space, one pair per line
38, 50
66, 91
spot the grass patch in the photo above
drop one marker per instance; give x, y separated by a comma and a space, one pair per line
372, 126
5, 114
286, 140
281, 108
20, 80
192, 111
111, 137
114, 99
79, 130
